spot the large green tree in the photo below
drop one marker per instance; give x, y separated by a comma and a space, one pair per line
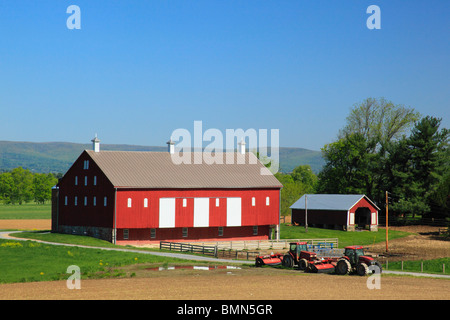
349, 166
42, 187
419, 167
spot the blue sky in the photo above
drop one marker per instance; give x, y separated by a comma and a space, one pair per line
138, 70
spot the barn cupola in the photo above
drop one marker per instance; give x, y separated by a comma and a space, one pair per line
96, 144
171, 146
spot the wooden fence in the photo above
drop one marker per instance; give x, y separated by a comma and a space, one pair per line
249, 249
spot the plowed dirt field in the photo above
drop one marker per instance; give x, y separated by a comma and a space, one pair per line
245, 284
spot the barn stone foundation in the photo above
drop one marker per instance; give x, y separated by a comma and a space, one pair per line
96, 232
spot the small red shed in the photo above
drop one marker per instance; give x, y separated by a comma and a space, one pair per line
139, 197
339, 211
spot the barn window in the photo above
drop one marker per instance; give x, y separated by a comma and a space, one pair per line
85, 201
95, 180
86, 164
153, 233
76, 180
76, 200
65, 200
184, 203
185, 232
105, 201
217, 202
126, 234
129, 202
253, 201
255, 230
95, 201
220, 231
145, 203
267, 201
85, 180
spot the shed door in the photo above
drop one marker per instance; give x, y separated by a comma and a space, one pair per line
233, 212
201, 212
167, 212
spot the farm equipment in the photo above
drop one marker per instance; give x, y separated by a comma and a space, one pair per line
298, 255
306, 260
269, 260
354, 260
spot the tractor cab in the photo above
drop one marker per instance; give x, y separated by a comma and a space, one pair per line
295, 248
355, 254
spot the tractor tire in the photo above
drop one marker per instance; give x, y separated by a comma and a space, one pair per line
343, 267
362, 269
259, 262
312, 268
302, 264
288, 262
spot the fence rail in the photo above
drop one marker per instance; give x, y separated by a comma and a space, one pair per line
187, 247
275, 244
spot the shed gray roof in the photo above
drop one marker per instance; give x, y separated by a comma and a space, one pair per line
342, 202
137, 169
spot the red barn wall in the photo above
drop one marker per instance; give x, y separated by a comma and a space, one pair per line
140, 217
88, 214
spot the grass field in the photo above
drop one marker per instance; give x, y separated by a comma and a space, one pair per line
25, 261
427, 266
26, 211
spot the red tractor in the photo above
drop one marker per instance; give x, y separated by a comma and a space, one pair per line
306, 260
354, 260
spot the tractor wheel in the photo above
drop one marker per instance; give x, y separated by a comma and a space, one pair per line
259, 262
343, 267
362, 269
288, 262
302, 264
312, 268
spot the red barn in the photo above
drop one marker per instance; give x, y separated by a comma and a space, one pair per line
139, 197
340, 211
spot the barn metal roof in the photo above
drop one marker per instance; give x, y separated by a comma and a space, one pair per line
136, 169
342, 202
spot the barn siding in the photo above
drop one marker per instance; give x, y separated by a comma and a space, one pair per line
142, 236
139, 217
81, 214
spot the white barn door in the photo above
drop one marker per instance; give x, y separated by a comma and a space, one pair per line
201, 212
167, 212
233, 212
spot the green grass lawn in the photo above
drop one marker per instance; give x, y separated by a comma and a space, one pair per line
24, 261
346, 238
26, 211
429, 266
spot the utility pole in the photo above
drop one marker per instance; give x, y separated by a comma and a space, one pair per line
387, 222
306, 215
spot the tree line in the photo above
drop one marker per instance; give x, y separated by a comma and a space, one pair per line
20, 186
382, 147
387, 147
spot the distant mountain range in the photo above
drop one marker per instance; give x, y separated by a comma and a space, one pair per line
57, 157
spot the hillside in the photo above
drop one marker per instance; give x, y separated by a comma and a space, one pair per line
58, 156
